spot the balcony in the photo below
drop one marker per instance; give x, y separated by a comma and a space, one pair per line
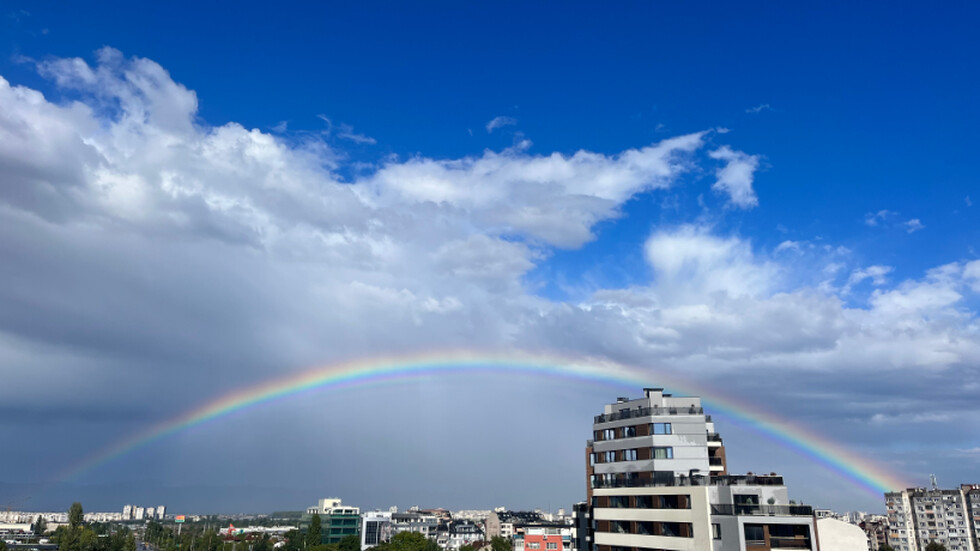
789, 543
647, 412
762, 510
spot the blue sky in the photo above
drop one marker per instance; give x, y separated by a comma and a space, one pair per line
322, 182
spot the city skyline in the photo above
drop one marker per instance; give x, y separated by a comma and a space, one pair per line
772, 207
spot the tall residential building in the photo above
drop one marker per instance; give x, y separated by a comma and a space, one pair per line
917, 516
658, 479
161, 512
972, 494
127, 512
139, 513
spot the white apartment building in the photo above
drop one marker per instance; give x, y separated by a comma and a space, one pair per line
657, 480
917, 516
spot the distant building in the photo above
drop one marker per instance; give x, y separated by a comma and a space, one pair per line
581, 527
336, 520
127, 512
375, 528
503, 523
917, 516
139, 513
657, 478
543, 537
463, 532
161, 512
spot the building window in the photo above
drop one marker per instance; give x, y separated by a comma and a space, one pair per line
533, 545
629, 432
716, 531
609, 434
663, 453
755, 534
629, 455
619, 502
609, 457
662, 428
552, 545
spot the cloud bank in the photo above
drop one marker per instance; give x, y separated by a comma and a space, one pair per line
144, 248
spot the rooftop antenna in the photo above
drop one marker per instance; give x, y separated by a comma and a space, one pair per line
932, 480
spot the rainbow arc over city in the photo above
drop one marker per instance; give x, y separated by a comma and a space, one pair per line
869, 475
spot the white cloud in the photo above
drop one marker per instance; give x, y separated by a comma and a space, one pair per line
914, 225
875, 273
500, 122
759, 108
736, 177
788, 246
875, 218
143, 246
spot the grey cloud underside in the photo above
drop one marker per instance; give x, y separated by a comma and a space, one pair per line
145, 250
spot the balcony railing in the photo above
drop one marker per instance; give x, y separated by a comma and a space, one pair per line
788, 543
647, 412
651, 482
763, 510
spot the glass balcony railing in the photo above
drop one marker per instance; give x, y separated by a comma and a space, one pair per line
647, 412
763, 510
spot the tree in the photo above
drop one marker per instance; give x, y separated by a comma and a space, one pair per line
3, 545
886, 547
467, 547
75, 515
935, 546
349, 543
499, 543
40, 526
313, 534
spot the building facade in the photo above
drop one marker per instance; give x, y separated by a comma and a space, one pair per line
918, 516
658, 480
337, 520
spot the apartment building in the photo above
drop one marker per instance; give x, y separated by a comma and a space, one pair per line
917, 516
544, 537
658, 480
971, 493
336, 519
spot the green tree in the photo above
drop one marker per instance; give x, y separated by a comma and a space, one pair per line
935, 546
3, 545
886, 547
40, 526
349, 543
499, 543
294, 540
75, 515
262, 544
313, 534
467, 547
87, 539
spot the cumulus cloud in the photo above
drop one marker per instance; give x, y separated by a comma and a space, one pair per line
500, 122
736, 177
875, 218
144, 249
759, 108
914, 225
875, 273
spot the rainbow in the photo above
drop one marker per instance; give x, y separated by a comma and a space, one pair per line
869, 475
